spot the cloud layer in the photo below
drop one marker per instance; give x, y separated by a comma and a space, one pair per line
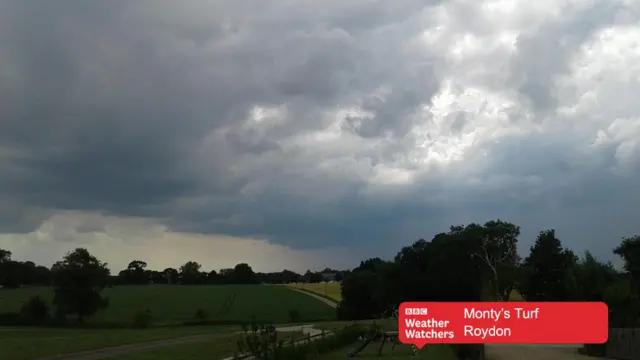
359, 125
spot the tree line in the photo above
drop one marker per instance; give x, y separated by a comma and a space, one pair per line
14, 274
475, 262
480, 262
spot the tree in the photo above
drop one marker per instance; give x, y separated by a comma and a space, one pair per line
442, 269
593, 278
136, 272
78, 280
11, 274
5, 268
498, 249
357, 301
243, 274
629, 251
190, 273
547, 270
5, 255
171, 275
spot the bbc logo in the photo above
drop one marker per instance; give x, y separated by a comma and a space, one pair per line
415, 311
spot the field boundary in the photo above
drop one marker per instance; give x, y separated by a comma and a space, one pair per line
308, 339
113, 351
326, 299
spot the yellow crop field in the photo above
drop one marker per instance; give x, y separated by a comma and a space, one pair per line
330, 290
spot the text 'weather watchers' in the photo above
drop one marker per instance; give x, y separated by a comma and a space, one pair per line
422, 323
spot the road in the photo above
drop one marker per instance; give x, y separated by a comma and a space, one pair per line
109, 352
534, 352
331, 303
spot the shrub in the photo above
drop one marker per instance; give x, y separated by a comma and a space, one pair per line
143, 318
260, 341
36, 310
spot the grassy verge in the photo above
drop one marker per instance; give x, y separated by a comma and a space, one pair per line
400, 352
33, 344
206, 350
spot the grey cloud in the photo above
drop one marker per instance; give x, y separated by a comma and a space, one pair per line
141, 109
546, 53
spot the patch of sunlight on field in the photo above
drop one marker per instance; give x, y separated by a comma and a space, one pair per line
515, 296
330, 289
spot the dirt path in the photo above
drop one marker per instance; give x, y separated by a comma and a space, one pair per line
333, 304
109, 352
534, 352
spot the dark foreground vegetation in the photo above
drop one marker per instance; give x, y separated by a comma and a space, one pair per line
467, 263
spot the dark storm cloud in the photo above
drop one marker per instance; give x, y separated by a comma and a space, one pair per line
143, 109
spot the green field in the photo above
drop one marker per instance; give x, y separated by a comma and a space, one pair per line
175, 303
26, 343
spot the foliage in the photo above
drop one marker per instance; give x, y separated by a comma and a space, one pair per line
190, 273
35, 310
546, 270
13, 274
260, 341
79, 279
497, 249
443, 269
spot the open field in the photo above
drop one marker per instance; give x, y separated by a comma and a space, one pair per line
174, 303
330, 290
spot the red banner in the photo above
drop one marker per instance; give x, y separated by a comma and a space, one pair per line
422, 323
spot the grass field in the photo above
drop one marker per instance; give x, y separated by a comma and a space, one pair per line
330, 290
174, 303
27, 344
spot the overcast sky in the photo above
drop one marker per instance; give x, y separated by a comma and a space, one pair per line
303, 134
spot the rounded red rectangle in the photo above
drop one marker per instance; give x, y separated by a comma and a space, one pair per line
423, 323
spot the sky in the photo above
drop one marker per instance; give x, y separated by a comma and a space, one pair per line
305, 134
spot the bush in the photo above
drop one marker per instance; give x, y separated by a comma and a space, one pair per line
143, 318
261, 341
36, 310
